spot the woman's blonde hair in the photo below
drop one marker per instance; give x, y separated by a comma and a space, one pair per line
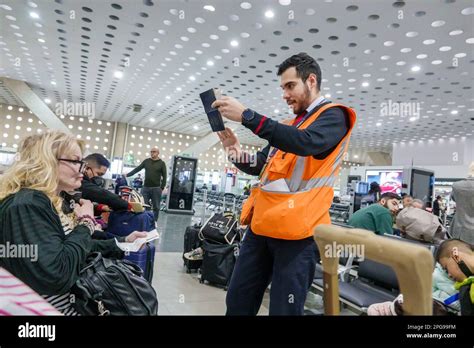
36, 165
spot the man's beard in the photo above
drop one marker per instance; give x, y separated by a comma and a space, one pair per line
306, 100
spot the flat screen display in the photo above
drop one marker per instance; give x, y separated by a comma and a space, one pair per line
389, 180
422, 185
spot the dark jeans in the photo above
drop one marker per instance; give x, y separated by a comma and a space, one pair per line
153, 194
289, 265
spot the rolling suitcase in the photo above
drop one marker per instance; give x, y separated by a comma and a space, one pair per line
218, 263
192, 261
144, 258
122, 223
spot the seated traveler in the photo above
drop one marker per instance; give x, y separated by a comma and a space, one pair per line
34, 214
377, 217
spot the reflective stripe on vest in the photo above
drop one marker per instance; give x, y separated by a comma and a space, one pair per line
296, 183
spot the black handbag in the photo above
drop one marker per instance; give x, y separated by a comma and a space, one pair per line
113, 287
221, 228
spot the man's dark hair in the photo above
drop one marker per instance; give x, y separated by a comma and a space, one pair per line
390, 195
97, 160
444, 249
304, 64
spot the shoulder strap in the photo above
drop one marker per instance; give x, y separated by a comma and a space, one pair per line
319, 111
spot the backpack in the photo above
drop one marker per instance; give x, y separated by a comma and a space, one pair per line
221, 228
420, 225
113, 287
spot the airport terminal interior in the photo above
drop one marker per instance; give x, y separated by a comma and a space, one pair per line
132, 83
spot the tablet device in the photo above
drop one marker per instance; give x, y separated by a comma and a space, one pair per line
215, 118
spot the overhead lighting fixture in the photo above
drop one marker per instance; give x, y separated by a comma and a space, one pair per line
355, 156
209, 8
210, 63
234, 43
192, 78
168, 97
327, 95
47, 101
454, 112
413, 118
41, 40
118, 74
196, 127
34, 15
365, 84
158, 104
53, 83
179, 89
378, 124
285, 2
269, 14
415, 68
152, 119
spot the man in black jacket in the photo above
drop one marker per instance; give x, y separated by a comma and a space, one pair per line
97, 166
288, 264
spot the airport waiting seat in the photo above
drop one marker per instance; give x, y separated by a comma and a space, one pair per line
390, 267
375, 283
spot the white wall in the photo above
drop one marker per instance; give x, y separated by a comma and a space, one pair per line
448, 158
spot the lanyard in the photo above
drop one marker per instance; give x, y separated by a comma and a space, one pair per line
274, 149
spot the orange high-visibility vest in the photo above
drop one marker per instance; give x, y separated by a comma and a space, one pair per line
294, 215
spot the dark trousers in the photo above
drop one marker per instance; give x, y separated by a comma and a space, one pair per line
289, 265
153, 194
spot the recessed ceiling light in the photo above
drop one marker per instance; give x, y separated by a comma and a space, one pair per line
209, 8
246, 5
415, 68
118, 74
413, 118
41, 40
365, 84
158, 104
152, 119
192, 78
454, 112
378, 124
34, 15
234, 43
179, 89
168, 97
53, 83
47, 101
196, 127
327, 95
269, 14
210, 63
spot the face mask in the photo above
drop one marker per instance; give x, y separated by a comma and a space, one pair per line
99, 181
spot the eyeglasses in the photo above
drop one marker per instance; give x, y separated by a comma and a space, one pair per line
82, 163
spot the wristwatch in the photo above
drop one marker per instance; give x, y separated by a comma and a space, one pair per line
248, 115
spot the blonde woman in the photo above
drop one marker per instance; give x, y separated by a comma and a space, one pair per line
33, 218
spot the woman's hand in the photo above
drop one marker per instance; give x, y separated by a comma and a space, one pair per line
84, 208
135, 235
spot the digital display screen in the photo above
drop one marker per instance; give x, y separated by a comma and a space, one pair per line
389, 180
422, 185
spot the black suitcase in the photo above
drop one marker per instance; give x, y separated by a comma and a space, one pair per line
191, 242
218, 263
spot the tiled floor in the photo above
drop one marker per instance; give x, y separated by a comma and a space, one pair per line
180, 293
